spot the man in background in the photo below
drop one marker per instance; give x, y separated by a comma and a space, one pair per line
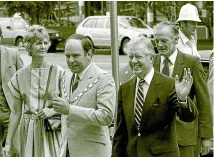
10, 63
187, 20
171, 62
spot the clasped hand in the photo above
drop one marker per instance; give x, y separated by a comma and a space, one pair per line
46, 113
183, 87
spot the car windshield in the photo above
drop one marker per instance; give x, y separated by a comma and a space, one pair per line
133, 22
19, 23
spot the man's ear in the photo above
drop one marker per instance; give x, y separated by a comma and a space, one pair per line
90, 53
176, 39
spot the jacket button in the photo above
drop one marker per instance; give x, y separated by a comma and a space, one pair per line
139, 134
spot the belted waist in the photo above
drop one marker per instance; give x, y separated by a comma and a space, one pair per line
31, 116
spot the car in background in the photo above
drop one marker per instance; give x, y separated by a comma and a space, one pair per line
14, 29
97, 28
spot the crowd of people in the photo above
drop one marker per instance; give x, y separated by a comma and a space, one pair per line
163, 108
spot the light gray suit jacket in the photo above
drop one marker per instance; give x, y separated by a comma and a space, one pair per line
90, 116
10, 63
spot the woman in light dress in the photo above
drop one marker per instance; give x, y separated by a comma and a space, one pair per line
28, 88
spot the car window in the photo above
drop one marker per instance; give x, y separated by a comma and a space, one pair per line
89, 22
100, 23
133, 22
19, 23
108, 25
4, 23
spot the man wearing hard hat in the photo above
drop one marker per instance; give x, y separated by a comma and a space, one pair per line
187, 20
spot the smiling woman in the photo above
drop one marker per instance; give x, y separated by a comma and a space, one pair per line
35, 85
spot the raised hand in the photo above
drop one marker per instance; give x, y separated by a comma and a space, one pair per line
183, 88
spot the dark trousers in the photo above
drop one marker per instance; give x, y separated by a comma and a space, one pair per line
187, 151
4, 121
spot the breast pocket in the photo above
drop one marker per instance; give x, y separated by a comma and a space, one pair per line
96, 138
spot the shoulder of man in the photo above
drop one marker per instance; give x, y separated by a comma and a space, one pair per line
189, 58
9, 50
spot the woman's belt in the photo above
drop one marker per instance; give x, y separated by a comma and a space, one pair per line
31, 116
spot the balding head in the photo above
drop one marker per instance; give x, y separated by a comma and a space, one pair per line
86, 43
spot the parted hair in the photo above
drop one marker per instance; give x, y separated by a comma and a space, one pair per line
164, 24
34, 33
86, 43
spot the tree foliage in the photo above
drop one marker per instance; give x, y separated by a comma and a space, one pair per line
36, 10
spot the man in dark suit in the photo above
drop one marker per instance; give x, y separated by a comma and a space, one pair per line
147, 107
10, 63
170, 58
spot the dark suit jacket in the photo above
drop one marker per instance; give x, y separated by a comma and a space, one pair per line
157, 131
202, 126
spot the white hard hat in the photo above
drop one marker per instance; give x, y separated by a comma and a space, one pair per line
188, 12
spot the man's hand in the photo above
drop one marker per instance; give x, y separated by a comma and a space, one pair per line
205, 146
60, 105
183, 88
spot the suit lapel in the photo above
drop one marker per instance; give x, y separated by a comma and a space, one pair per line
4, 62
130, 93
157, 61
151, 96
179, 65
88, 78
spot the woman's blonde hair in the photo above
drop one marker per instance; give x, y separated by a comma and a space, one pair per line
34, 33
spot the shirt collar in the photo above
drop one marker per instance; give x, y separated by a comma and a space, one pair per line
148, 77
184, 38
82, 74
172, 58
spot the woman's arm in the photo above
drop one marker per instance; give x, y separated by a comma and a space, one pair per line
15, 116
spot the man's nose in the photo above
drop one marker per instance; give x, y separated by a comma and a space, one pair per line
70, 59
134, 60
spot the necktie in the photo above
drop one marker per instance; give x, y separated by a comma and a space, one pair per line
75, 84
139, 103
165, 69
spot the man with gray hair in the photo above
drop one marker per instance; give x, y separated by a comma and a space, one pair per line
147, 105
171, 62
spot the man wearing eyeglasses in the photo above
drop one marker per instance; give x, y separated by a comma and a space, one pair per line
10, 63
170, 61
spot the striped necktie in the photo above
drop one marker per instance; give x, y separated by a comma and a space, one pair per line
165, 69
139, 103
76, 81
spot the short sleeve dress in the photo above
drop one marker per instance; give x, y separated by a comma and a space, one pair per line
29, 85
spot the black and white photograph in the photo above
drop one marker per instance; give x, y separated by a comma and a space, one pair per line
106, 78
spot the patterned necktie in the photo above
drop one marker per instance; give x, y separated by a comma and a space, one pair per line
165, 69
139, 103
76, 81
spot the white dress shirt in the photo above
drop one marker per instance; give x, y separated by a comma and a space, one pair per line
172, 59
186, 45
148, 79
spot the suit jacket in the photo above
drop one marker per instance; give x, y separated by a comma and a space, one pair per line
210, 80
202, 126
10, 63
157, 135
90, 116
